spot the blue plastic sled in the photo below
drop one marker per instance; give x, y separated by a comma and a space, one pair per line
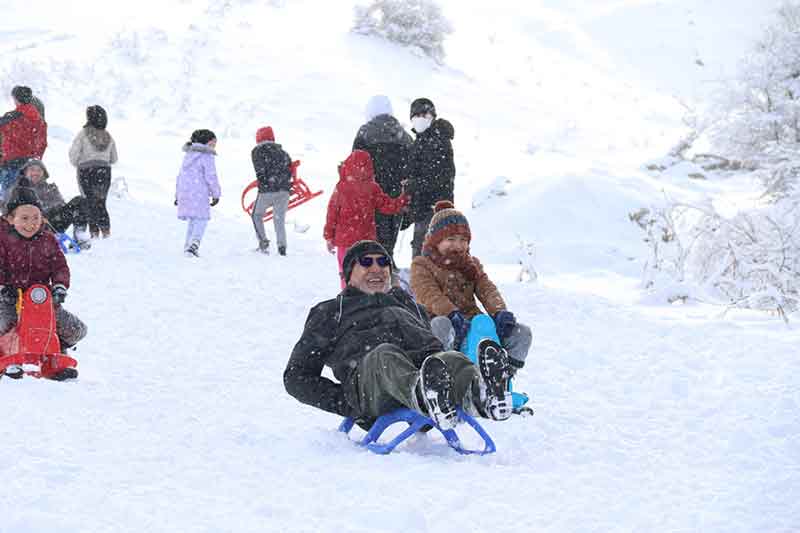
67, 243
415, 423
483, 327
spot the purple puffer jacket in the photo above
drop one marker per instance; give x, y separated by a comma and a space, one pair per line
197, 182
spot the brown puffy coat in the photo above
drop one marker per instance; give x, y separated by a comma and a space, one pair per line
443, 291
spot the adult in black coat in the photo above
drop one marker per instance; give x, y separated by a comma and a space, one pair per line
379, 345
431, 168
384, 138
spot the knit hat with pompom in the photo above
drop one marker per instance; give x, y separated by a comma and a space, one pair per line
446, 221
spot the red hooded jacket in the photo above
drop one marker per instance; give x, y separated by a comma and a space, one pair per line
351, 209
24, 134
24, 262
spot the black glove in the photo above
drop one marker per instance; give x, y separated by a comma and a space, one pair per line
8, 294
504, 322
176, 201
214, 201
59, 294
460, 327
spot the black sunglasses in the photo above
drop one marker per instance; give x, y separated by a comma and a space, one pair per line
366, 261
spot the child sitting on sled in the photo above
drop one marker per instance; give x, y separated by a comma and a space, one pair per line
59, 214
352, 207
446, 279
29, 254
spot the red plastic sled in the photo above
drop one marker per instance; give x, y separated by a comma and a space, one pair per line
34, 341
300, 194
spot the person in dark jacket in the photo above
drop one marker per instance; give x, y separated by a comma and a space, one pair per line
431, 169
379, 345
274, 173
384, 138
29, 255
23, 135
58, 213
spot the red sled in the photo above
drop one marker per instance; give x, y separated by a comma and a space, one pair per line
300, 194
33, 341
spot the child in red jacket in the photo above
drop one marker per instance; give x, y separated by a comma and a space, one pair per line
29, 254
351, 209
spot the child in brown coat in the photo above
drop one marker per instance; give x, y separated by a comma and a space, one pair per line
446, 279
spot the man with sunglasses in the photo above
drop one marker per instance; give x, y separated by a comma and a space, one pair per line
379, 345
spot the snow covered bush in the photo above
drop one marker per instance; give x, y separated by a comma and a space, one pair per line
417, 23
758, 112
751, 260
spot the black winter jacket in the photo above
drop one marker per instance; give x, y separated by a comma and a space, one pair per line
388, 144
431, 168
339, 332
272, 165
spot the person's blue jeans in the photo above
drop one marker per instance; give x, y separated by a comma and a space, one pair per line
8, 174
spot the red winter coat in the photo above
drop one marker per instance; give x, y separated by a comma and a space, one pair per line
24, 262
24, 134
351, 209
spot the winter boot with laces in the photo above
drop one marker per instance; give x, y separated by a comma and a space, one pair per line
495, 371
436, 386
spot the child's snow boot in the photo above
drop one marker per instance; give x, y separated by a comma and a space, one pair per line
64, 375
14, 372
436, 387
82, 237
495, 371
193, 249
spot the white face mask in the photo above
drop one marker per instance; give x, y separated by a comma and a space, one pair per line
421, 124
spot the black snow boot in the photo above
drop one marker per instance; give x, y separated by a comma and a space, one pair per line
64, 375
436, 388
496, 371
281, 250
263, 246
193, 250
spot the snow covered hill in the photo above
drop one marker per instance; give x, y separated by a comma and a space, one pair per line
649, 418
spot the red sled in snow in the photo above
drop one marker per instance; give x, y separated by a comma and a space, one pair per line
33, 341
300, 194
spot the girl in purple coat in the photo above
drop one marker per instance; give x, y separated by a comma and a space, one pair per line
196, 183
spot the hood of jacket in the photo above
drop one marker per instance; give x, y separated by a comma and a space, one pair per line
36, 163
99, 139
384, 129
199, 148
29, 111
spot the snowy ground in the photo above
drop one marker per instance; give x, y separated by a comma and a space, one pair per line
648, 418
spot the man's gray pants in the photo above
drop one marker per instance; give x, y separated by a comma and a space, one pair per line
279, 202
420, 229
386, 379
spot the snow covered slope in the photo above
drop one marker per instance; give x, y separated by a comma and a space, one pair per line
648, 418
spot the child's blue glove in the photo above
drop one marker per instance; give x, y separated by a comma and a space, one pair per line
59, 294
504, 322
460, 327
